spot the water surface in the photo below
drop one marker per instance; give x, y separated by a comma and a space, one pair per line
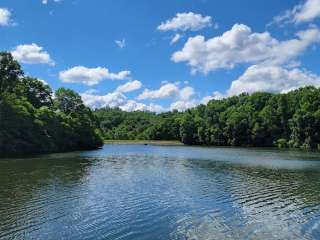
162, 192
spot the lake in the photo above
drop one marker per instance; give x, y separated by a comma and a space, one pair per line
162, 192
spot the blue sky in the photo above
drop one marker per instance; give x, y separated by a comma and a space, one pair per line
163, 55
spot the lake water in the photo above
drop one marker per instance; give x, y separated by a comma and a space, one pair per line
162, 192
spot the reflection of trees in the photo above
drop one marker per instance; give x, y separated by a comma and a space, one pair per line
27, 187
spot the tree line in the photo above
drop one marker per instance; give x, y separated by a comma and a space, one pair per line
32, 121
290, 120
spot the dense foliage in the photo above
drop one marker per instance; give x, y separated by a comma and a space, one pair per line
119, 125
260, 119
32, 121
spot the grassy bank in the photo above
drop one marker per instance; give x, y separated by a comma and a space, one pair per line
144, 142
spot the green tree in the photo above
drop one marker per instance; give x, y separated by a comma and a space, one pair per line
68, 101
37, 93
30, 123
187, 129
10, 72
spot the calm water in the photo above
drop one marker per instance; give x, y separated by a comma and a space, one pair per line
157, 192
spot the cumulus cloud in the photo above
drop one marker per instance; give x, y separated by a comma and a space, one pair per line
183, 105
132, 105
129, 86
5, 17
257, 78
32, 54
90, 76
118, 99
185, 22
241, 45
304, 12
272, 79
114, 99
183, 97
168, 90
267, 78
120, 43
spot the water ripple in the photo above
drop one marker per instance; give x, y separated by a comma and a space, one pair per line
161, 193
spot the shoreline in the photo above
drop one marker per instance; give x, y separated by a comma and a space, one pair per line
178, 143
145, 142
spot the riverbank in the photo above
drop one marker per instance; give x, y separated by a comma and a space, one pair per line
145, 142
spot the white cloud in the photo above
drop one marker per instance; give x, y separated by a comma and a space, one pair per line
183, 97
120, 43
114, 99
129, 86
183, 105
117, 99
309, 11
258, 78
47, 1
241, 45
267, 78
32, 54
5, 17
90, 76
186, 93
132, 105
168, 90
186, 21
216, 96
175, 39
306, 12
272, 79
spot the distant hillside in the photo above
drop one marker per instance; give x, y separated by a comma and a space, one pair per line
259, 119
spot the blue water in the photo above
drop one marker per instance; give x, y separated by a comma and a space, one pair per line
162, 192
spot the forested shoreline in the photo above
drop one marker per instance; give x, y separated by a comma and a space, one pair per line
290, 120
32, 121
